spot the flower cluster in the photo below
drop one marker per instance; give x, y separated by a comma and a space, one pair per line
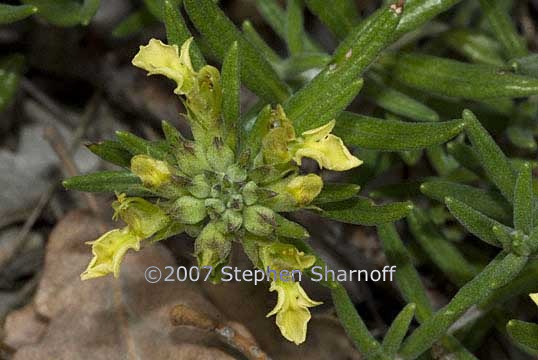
219, 192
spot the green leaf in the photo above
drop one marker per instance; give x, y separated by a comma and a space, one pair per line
334, 192
477, 47
392, 135
493, 160
275, 16
523, 200
12, 13
490, 203
362, 211
442, 253
314, 105
177, 31
231, 90
88, 10
522, 137
396, 333
155, 8
11, 68
419, 12
107, 181
220, 33
338, 15
58, 12
407, 277
397, 102
250, 33
457, 79
289, 229
503, 28
133, 23
524, 334
499, 272
255, 133
136, 145
113, 152
526, 65
295, 27
474, 221
295, 65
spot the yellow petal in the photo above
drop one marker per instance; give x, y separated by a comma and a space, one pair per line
305, 188
152, 172
534, 298
109, 251
280, 256
292, 314
162, 59
320, 132
330, 152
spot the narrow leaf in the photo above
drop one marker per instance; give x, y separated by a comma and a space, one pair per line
524, 334
58, 12
419, 12
489, 203
338, 15
133, 23
88, 11
457, 79
495, 275
474, 221
362, 211
12, 13
527, 65
396, 333
392, 135
11, 68
250, 33
107, 181
442, 253
493, 160
113, 152
523, 200
477, 47
503, 28
334, 192
351, 58
398, 103
177, 31
136, 145
295, 27
220, 33
231, 88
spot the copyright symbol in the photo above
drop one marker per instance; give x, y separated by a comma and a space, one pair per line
152, 274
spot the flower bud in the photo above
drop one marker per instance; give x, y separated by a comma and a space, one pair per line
211, 246
189, 210
232, 220
214, 207
259, 220
304, 189
236, 173
219, 156
190, 158
153, 173
250, 193
199, 186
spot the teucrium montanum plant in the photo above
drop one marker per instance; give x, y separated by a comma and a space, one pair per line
240, 172
207, 188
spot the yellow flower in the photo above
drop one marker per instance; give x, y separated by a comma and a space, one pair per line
327, 149
292, 314
159, 58
109, 251
304, 189
534, 298
152, 172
